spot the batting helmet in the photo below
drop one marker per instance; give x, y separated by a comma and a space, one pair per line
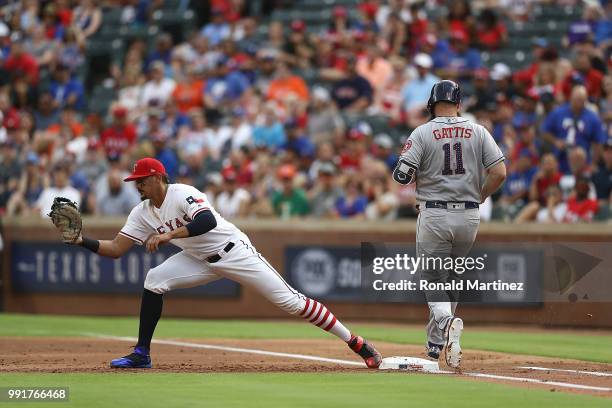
447, 91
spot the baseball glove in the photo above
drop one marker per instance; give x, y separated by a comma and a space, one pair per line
67, 218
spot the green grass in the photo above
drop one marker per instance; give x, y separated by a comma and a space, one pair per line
554, 344
272, 390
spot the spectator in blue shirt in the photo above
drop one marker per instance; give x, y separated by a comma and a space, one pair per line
384, 150
270, 134
224, 85
162, 51
603, 30
416, 91
297, 140
437, 48
163, 153
572, 124
218, 29
354, 202
516, 189
67, 91
45, 115
460, 61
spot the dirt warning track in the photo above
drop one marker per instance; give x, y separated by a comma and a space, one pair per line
81, 354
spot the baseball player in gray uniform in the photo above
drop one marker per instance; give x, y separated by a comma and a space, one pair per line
456, 165
211, 248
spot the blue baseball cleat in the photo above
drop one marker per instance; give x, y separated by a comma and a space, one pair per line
138, 359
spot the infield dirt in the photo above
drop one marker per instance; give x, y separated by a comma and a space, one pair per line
79, 354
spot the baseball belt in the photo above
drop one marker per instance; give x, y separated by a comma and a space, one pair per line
216, 257
452, 205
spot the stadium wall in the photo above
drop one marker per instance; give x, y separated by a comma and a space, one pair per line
272, 238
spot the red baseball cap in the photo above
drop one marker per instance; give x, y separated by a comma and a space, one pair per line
146, 167
339, 11
459, 35
120, 111
286, 171
298, 25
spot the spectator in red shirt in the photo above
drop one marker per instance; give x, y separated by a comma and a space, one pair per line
585, 73
339, 29
548, 175
120, 136
20, 62
54, 30
542, 54
240, 164
526, 140
490, 32
460, 18
64, 12
417, 28
580, 208
352, 155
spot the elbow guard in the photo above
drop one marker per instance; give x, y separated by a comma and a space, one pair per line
404, 172
201, 224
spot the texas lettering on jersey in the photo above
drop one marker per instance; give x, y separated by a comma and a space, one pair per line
173, 224
181, 205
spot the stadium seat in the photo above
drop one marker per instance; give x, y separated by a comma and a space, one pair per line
379, 123
167, 17
603, 214
100, 99
112, 17
172, 4
102, 47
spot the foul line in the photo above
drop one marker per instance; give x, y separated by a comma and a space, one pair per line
596, 373
337, 361
233, 349
535, 380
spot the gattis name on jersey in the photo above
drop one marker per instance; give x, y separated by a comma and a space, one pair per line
452, 132
173, 224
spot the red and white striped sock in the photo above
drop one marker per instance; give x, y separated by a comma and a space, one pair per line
319, 315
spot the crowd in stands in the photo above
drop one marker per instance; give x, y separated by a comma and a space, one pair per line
273, 119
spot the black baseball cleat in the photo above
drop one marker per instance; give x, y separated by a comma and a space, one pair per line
433, 350
366, 350
138, 359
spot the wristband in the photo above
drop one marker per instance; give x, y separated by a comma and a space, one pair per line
92, 244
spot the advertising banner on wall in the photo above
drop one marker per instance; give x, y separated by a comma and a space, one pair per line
392, 272
45, 267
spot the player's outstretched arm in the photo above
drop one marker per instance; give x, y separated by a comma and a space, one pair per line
495, 178
112, 249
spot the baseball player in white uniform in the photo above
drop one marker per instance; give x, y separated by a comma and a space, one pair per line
456, 165
212, 248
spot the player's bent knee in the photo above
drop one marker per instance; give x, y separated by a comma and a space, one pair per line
293, 304
154, 283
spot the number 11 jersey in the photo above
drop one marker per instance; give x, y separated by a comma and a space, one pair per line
451, 155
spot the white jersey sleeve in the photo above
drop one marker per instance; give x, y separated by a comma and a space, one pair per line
135, 227
491, 153
191, 200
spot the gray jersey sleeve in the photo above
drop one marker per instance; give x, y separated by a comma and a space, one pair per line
491, 153
413, 149
408, 163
